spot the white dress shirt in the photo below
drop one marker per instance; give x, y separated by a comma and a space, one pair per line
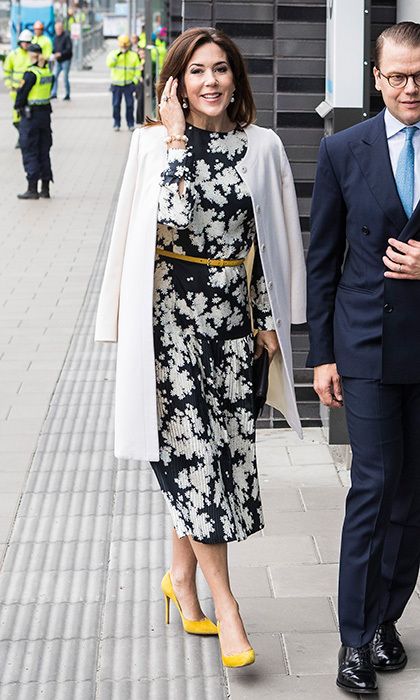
396, 139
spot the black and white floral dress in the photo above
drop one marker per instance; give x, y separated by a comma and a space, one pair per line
203, 342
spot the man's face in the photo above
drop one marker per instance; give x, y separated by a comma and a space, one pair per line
24, 45
58, 28
402, 102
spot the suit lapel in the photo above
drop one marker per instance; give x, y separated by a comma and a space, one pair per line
412, 227
372, 154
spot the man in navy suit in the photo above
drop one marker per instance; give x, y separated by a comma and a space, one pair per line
364, 323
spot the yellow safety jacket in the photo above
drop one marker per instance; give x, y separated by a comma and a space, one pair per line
158, 53
68, 22
125, 67
41, 91
15, 65
162, 51
45, 43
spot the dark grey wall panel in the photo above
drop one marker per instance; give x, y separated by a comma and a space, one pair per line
301, 103
250, 47
301, 66
300, 47
244, 12
198, 10
303, 171
264, 100
262, 83
299, 30
298, 137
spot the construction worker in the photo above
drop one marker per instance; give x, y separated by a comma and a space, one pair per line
79, 15
14, 66
33, 101
42, 39
161, 45
125, 74
69, 20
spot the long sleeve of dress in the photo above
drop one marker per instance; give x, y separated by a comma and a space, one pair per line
261, 310
176, 209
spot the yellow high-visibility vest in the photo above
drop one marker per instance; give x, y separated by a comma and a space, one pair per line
15, 65
125, 67
45, 43
40, 94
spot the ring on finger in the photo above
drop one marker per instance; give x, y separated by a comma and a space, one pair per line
165, 98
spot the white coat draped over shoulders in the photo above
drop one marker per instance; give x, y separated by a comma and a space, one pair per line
125, 311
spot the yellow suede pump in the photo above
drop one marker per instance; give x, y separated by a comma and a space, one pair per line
204, 626
243, 658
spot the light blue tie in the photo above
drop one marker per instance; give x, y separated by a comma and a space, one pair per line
404, 176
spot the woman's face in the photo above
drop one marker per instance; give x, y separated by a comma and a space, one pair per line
208, 82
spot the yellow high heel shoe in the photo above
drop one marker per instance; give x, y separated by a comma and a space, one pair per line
204, 626
244, 658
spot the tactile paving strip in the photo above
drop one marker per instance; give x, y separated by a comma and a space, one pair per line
81, 615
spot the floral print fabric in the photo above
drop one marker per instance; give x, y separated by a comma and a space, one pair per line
203, 341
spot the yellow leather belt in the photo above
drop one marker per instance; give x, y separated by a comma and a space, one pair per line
200, 261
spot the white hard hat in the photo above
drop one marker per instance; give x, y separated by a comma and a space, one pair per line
26, 35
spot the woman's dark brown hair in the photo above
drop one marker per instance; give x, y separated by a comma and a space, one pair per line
242, 110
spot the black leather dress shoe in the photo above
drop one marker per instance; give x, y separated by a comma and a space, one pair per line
388, 653
355, 670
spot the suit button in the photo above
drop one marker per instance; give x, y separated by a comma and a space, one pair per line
262, 247
270, 285
388, 308
278, 321
244, 169
365, 230
258, 207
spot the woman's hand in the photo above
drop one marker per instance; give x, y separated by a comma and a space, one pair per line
267, 340
170, 109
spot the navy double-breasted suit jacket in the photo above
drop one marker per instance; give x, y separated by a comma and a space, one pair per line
366, 323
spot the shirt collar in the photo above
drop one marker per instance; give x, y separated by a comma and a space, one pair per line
393, 126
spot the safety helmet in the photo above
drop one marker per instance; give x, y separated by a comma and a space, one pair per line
35, 48
25, 35
124, 41
38, 24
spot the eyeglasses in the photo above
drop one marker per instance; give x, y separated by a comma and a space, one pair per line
400, 80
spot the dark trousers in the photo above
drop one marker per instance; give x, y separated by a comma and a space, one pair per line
117, 94
35, 138
380, 549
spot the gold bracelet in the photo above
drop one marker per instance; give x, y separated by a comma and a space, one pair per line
179, 137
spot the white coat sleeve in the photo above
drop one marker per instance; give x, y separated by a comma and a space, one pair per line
294, 237
108, 307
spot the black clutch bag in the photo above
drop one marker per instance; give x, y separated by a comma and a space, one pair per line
260, 382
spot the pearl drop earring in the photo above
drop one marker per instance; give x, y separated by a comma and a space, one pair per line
184, 103
232, 99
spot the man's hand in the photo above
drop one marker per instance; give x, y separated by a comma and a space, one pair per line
403, 263
327, 384
267, 340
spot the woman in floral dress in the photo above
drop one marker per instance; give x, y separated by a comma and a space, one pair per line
188, 192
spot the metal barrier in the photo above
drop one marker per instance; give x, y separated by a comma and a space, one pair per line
89, 41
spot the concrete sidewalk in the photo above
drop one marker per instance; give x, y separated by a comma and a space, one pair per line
86, 539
